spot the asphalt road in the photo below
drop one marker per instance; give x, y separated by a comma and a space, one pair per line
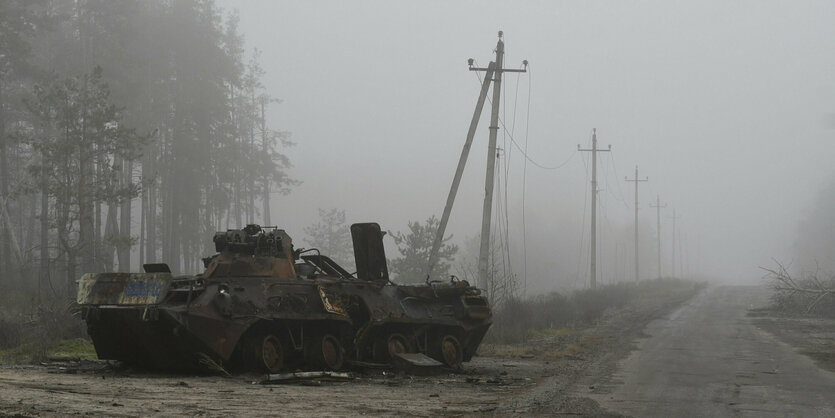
707, 359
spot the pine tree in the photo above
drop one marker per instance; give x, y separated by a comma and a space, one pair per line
414, 248
78, 128
332, 237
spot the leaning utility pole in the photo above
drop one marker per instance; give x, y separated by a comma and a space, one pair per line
636, 180
493, 73
594, 150
462, 162
658, 229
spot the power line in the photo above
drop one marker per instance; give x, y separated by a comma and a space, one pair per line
621, 198
519, 147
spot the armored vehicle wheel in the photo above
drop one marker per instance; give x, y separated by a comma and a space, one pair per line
398, 344
269, 354
449, 351
326, 352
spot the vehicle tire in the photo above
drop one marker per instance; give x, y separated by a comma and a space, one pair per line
325, 352
448, 350
398, 344
269, 354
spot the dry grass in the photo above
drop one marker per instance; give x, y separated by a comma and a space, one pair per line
31, 334
506, 351
557, 314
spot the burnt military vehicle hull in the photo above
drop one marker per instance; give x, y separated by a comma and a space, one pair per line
260, 305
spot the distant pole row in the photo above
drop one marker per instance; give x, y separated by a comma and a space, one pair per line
658, 206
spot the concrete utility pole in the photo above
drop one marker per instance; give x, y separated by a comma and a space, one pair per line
658, 229
684, 256
594, 151
498, 70
675, 218
462, 162
636, 180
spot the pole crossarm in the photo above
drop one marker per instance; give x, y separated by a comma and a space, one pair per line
520, 70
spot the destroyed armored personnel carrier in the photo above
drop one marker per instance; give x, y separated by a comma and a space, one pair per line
260, 305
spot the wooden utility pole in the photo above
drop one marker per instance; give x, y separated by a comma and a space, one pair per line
493, 73
594, 151
658, 229
636, 181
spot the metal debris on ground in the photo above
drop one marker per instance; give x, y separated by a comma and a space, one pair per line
416, 363
301, 377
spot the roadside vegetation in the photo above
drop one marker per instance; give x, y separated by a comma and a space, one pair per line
558, 314
810, 294
801, 312
33, 333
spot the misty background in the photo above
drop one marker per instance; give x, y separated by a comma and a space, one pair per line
195, 110
726, 106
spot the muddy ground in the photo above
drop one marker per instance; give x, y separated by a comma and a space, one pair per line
531, 379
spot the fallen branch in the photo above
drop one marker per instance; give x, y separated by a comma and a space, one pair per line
810, 287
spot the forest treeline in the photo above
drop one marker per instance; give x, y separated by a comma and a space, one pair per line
128, 129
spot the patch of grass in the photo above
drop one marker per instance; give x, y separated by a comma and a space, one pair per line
505, 351
79, 348
34, 352
576, 349
556, 314
39, 332
37, 352
550, 332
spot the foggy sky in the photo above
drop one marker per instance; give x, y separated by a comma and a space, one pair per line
722, 104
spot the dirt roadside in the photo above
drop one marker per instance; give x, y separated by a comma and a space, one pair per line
809, 335
521, 380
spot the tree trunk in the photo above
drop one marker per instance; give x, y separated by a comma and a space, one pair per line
43, 270
5, 249
264, 149
150, 212
86, 225
123, 248
111, 231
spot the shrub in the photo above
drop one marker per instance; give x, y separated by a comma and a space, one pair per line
28, 336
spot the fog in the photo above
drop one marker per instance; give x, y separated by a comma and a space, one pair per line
225, 147
723, 106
